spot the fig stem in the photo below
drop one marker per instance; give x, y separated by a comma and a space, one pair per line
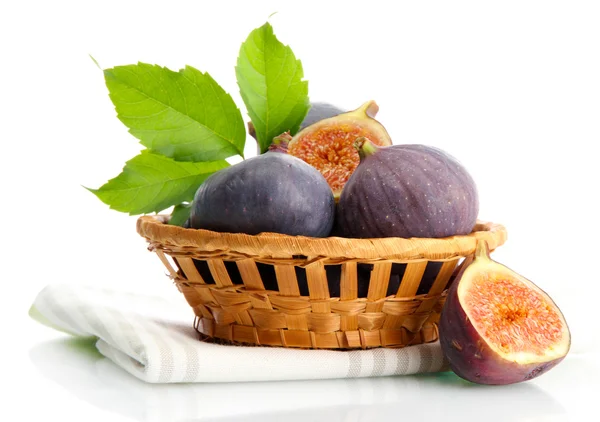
284, 138
280, 143
482, 250
369, 109
365, 147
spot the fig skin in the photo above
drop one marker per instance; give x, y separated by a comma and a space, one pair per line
468, 353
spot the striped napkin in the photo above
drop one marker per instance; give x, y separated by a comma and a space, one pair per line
153, 339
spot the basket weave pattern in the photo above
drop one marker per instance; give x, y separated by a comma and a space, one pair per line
238, 305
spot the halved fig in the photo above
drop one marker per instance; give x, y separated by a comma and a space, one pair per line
497, 327
328, 144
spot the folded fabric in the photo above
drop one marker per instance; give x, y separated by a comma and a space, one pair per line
154, 339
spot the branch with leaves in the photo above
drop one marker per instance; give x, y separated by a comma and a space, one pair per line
189, 125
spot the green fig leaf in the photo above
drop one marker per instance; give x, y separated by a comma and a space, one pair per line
152, 183
180, 214
272, 86
183, 115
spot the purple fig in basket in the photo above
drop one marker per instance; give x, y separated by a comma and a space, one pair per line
497, 327
406, 191
271, 192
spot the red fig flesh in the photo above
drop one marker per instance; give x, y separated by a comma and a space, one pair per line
328, 145
497, 327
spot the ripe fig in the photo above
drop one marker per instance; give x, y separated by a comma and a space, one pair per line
267, 193
327, 144
497, 327
406, 191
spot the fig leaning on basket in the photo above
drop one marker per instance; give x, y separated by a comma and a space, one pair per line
406, 191
268, 193
497, 327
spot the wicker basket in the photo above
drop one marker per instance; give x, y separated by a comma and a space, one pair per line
276, 290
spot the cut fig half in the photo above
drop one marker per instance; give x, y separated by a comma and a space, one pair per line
328, 144
497, 327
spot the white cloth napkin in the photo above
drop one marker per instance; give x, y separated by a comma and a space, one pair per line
153, 339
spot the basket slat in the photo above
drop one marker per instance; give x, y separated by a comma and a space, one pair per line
369, 338
269, 337
198, 294
317, 282
204, 311
286, 280
245, 334
295, 338
226, 331
189, 269
323, 322
244, 318
414, 322
260, 300
325, 341
371, 321
166, 263
219, 272
206, 326
268, 319
411, 279
378, 284
443, 277
438, 286
221, 316
348, 281
349, 322
250, 275
342, 340
296, 322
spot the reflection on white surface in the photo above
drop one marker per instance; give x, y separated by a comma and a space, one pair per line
77, 366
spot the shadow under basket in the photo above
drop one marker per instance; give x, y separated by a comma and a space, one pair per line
316, 293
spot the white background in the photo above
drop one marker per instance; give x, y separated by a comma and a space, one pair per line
512, 89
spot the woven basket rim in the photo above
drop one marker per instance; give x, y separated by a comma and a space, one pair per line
156, 231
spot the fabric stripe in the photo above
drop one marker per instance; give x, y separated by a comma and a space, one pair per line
131, 343
153, 350
379, 356
48, 304
426, 360
97, 323
354, 364
126, 339
181, 336
171, 344
439, 360
166, 361
192, 364
402, 364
